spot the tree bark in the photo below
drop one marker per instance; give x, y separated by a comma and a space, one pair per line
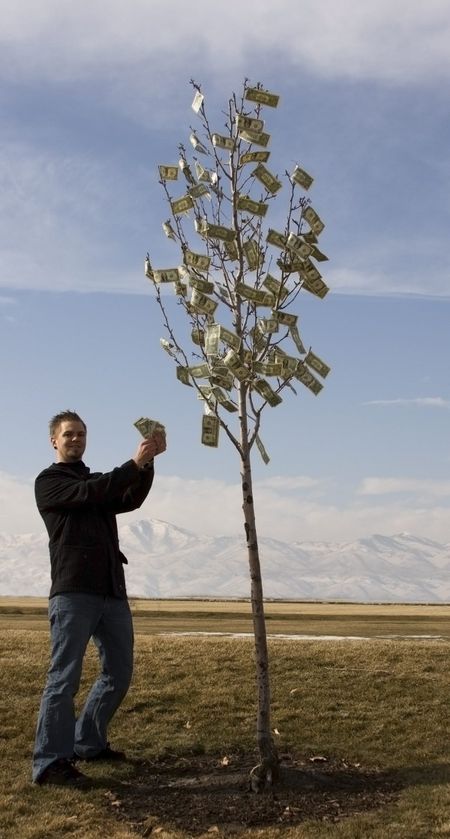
265, 773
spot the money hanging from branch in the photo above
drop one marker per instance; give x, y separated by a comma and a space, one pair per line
232, 262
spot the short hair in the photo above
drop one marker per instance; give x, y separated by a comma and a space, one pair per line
64, 416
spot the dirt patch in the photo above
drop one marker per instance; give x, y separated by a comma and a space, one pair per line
201, 793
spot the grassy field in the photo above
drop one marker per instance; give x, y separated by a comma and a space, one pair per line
379, 704
283, 618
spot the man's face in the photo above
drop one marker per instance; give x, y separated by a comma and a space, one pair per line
69, 441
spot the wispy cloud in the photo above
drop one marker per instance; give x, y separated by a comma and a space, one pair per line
389, 282
281, 483
425, 488
419, 402
58, 231
371, 40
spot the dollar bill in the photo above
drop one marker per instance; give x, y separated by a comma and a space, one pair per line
223, 400
168, 173
300, 177
212, 339
166, 275
285, 318
288, 362
184, 273
168, 230
168, 347
270, 181
309, 271
224, 293
210, 430
201, 303
257, 208
254, 157
225, 380
252, 254
306, 378
268, 325
249, 123
148, 269
204, 392
216, 231
180, 288
310, 237
197, 101
259, 341
263, 97
275, 238
298, 245
268, 368
222, 142
232, 251
199, 371
317, 364
291, 264
278, 289
315, 222
200, 261
263, 388
182, 205
186, 170
258, 138
203, 174
295, 335
198, 336
201, 285
230, 338
183, 375
197, 144
199, 191
233, 362
201, 225
147, 427
317, 254
256, 295
316, 287
261, 449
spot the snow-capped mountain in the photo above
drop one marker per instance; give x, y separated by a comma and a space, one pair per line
168, 561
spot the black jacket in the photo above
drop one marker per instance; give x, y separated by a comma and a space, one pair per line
79, 511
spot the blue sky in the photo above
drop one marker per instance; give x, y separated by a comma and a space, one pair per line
95, 95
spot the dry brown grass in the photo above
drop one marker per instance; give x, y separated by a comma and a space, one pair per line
354, 619
384, 704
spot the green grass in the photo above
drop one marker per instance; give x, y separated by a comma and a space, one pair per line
382, 703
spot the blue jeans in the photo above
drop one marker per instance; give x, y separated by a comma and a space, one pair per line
74, 619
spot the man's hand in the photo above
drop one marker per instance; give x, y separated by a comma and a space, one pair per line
149, 448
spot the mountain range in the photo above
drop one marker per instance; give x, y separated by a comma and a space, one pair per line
168, 561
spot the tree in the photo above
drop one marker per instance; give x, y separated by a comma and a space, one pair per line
232, 356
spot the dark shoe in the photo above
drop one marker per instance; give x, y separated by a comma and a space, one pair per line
106, 754
63, 773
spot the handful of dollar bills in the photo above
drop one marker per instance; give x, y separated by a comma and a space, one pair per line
147, 427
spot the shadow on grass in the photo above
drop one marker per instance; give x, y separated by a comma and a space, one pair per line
194, 793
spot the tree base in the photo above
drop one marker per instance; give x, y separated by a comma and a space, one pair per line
197, 793
265, 774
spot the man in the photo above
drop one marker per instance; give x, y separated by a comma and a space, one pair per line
87, 597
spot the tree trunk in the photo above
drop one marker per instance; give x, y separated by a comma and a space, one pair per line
265, 773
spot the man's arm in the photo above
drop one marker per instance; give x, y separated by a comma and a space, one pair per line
136, 494
60, 491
